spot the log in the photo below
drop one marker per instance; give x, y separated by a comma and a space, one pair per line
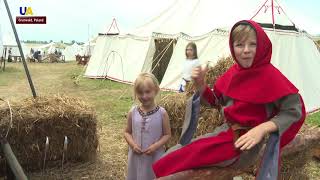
307, 139
316, 150
316, 154
12, 161
204, 174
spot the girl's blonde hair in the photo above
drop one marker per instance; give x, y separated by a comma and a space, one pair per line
242, 32
141, 79
194, 47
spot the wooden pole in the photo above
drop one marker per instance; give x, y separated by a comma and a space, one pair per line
20, 50
12, 161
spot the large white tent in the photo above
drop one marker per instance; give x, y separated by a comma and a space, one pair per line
48, 48
124, 56
1, 43
9, 42
1, 29
7, 38
113, 58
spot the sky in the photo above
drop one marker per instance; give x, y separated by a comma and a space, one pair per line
79, 20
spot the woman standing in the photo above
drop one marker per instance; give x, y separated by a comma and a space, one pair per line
190, 63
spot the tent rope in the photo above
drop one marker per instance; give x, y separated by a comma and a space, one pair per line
167, 47
259, 10
284, 12
77, 80
164, 50
108, 67
315, 42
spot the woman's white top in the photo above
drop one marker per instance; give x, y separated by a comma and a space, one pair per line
189, 64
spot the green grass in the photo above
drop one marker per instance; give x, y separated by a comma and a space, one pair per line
313, 119
10, 74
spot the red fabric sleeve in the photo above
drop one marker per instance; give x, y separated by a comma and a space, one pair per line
212, 97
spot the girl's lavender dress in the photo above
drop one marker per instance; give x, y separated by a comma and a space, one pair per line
146, 130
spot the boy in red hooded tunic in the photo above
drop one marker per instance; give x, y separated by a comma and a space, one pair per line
257, 100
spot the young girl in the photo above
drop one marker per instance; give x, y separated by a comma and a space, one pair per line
190, 63
257, 101
147, 130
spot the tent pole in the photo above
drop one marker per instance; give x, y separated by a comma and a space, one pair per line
4, 59
274, 26
20, 50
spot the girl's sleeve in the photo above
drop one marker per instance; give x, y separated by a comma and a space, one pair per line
212, 96
290, 117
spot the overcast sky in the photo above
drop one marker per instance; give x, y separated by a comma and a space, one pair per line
69, 19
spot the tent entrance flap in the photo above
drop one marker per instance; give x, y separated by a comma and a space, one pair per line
161, 58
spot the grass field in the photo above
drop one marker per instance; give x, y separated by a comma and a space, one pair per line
111, 101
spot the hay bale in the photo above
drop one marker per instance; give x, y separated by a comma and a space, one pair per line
223, 64
54, 117
175, 105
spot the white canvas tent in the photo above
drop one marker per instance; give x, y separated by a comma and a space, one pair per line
7, 38
51, 47
71, 51
47, 48
1, 43
9, 42
113, 59
1, 29
294, 53
197, 17
88, 47
297, 57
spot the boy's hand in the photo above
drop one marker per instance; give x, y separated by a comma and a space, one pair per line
137, 149
250, 139
151, 149
198, 74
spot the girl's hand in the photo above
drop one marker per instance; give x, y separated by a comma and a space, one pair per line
250, 139
151, 149
198, 74
137, 149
